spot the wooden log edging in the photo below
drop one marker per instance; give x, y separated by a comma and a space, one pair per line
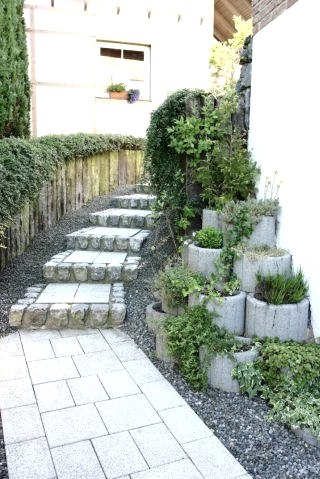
74, 184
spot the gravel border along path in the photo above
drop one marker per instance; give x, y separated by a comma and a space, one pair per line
266, 450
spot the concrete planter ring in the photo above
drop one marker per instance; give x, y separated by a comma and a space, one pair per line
230, 310
264, 232
248, 265
170, 310
285, 321
155, 319
202, 260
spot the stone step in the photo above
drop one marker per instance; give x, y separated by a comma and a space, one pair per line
107, 239
70, 305
123, 218
136, 201
91, 267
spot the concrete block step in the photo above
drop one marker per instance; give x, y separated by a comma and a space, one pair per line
136, 201
142, 188
107, 239
70, 305
91, 267
123, 218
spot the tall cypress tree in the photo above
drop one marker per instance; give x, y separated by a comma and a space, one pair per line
14, 81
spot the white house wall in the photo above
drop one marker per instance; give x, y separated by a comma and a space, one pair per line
63, 55
284, 131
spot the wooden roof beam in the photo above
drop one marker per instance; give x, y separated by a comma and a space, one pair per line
223, 24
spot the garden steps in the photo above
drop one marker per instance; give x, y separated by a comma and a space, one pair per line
140, 201
91, 267
123, 218
105, 238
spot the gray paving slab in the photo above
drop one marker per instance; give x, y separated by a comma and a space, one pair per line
52, 396
93, 343
183, 469
35, 350
77, 461
119, 384
87, 389
30, 460
127, 350
142, 371
114, 335
127, 413
157, 445
21, 424
16, 392
10, 346
28, 336
54, 369
66, 346
58, 293
18, 368
119, 455
213, 460
184, 424
92, 293
162, 395
97, 363
66, 333
73, 424
106, 231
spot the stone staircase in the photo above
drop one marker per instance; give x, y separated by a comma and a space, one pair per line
84, 284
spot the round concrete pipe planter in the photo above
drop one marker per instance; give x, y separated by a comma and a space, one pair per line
249, 264
230, 310
171, 310
202, 260
306, 436
264, 232
155, 319
285, 321
221, 367
211, 218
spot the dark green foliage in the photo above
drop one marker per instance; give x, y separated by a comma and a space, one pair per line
209, 238
288, 376
14, 81
190, 331
280, 289
25, 165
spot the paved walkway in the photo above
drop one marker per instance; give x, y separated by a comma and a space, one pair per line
88, 404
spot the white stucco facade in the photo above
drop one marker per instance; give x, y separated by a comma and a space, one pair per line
64, 49
284, 131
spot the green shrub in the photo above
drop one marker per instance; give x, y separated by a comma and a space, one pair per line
177, 282
287, 375
209, 237
14, 80
118, 87
255, 209
280, 289
25, 165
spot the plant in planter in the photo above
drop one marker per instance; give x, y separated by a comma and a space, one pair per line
203, 253
117, 91
279, 307
175, 283
287, 375
133, 95
252, 260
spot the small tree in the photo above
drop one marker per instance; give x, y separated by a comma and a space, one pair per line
224, 58
14, 81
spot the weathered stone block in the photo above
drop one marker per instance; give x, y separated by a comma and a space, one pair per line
35, 315
77, 315
121, 244
135, 243
26, 301
94, 242
114, 272
49, 270
97, 315
63, 272
130, 272
106, 243
58, 316
117, 313
16, 314
80, 272
97, 271
82, 242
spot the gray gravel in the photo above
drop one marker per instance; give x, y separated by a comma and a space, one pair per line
266, 450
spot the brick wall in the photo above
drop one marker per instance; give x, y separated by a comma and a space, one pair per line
264, 11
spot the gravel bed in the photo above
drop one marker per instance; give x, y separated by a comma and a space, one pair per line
266, 450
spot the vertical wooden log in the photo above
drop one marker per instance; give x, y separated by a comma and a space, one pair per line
131, 167
114, 161
79, 186
122, 168
104, 175
95, 175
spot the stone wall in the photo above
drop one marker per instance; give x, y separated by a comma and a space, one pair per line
73, 185
264, 11
241, 118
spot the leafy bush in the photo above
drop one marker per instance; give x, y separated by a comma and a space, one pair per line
190, 331
209, 237
255, 209
280, 289
25, 165
287, 375
177, 282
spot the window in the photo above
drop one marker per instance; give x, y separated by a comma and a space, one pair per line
124, 63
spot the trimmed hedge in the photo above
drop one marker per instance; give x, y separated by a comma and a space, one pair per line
25, 165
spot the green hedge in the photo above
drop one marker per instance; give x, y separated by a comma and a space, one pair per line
25, 165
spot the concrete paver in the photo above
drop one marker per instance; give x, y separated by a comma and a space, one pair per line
103, 414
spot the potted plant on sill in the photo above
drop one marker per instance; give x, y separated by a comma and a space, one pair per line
278, 308
204, 251
117, 91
